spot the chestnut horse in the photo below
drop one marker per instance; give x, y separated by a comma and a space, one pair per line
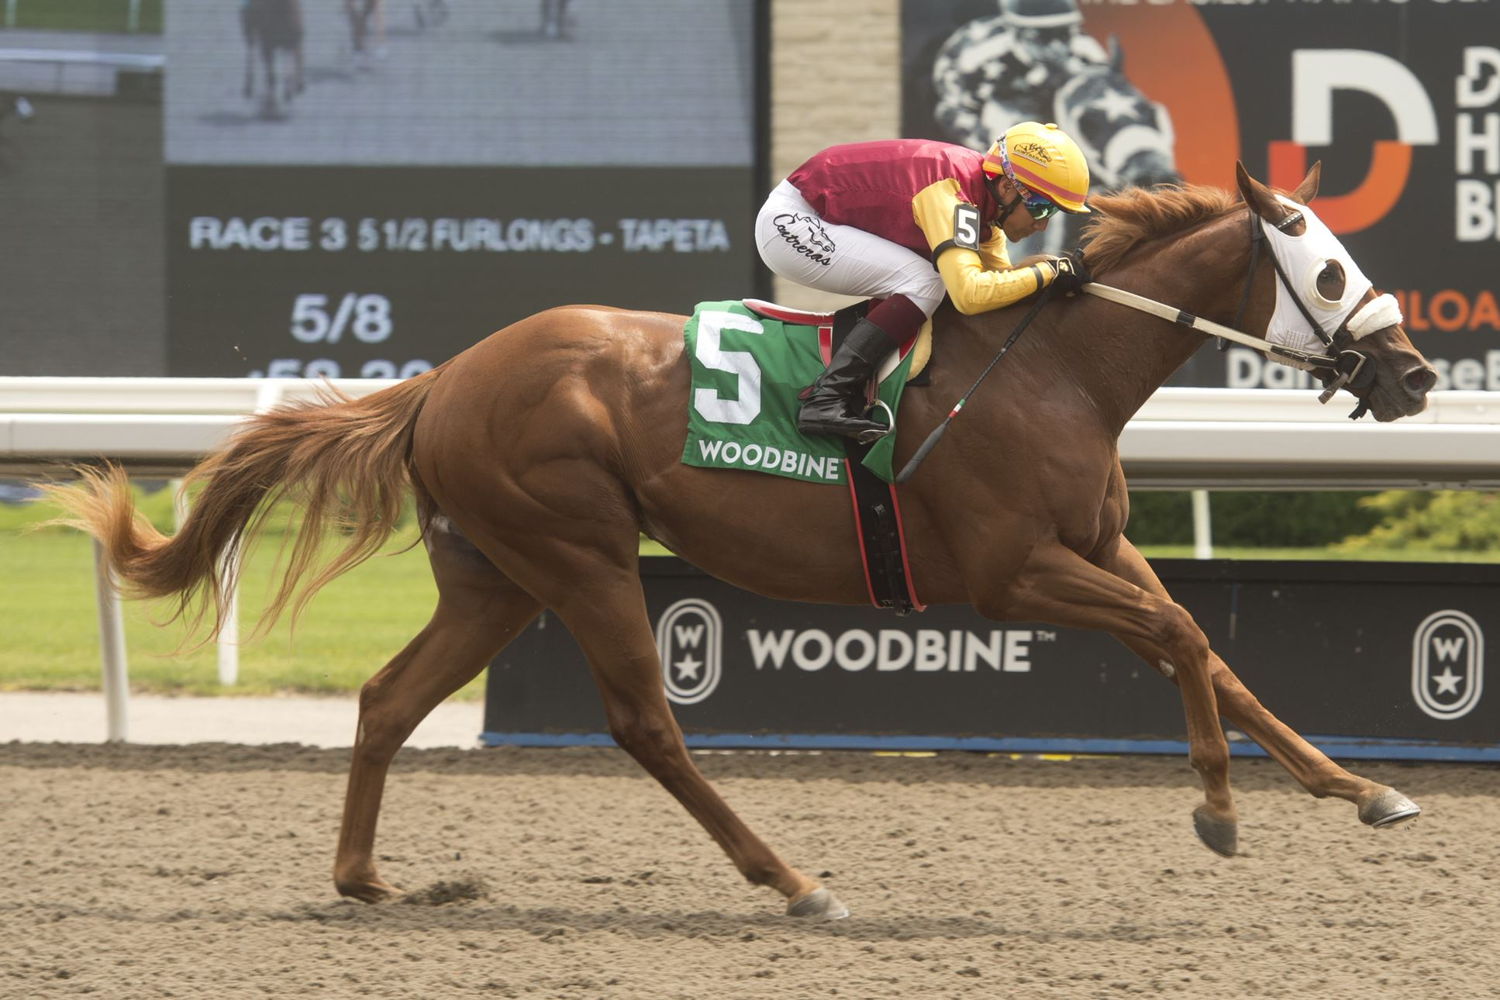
539, 456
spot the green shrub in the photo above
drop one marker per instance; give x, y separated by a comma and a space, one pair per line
1252, 519
1441, 520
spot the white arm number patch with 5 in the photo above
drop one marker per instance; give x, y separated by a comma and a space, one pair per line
966, 226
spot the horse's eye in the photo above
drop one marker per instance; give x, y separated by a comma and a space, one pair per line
1330, 281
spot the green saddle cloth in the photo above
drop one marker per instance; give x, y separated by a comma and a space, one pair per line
747, 371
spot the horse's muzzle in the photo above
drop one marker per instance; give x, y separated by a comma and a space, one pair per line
1407, 396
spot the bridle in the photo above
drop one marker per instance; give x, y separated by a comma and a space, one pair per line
1347, 368
1342, 367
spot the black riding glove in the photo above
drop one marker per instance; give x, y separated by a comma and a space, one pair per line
1072, 272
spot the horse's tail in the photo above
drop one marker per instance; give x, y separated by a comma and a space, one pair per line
345, 461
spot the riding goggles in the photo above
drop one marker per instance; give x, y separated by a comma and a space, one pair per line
1038, 206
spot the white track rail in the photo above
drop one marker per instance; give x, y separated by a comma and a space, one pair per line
1181, 439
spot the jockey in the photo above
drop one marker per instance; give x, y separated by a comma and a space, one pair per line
998, 70
907, 221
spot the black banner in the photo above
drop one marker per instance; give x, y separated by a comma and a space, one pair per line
1399, 100
1364, 659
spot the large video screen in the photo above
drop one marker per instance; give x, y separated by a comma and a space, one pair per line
431, 171
1399, 99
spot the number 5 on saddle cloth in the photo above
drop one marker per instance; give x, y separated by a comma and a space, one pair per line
750, 360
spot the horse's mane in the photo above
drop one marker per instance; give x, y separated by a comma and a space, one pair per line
1122, 220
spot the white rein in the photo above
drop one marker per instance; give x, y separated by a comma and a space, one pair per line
1376, 314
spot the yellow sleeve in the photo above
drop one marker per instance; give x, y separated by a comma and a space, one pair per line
978, 276
992, 252
975, 290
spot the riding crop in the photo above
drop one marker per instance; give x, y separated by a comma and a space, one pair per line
942, 428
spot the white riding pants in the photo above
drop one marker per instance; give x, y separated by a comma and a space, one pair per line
800, 246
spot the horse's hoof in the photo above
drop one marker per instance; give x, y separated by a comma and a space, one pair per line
1218, 835
1388, 808
371, 891
819, 904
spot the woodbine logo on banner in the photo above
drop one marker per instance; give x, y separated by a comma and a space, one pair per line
1447, 653
690, 638
745, 670
1400, 100
1447, 664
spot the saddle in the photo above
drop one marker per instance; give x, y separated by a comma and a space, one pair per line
877, 509
833, 326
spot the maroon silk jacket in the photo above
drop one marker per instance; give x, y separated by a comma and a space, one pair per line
871, 185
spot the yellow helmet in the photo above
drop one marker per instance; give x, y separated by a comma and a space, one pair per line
1043, 160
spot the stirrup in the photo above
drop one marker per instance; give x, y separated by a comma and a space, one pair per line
869, 436
848, 426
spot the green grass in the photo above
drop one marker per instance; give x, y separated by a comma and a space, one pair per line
85, 15
50, 636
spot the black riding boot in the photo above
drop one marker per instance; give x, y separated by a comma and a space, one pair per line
835, 402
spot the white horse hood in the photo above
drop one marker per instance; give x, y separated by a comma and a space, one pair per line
1301, 259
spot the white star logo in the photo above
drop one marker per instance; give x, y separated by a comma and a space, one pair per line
688, 667
1116, 105
1448, 681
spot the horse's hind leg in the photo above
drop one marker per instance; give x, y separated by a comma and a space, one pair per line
592, 582
298, 81
268, 63
479, 610
1379, 805
293, 74
249, 29
610, 623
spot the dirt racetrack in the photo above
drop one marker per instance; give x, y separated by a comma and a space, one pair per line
203, 871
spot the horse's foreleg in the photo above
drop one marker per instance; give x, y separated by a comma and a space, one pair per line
479, 610
1379, 805
357, 13
1059, 586
607, 615
268, 61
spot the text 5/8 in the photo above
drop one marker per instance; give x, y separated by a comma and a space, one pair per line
316, 320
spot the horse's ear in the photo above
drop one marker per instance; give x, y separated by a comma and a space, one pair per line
1308, 189
1256, 194
1116, 55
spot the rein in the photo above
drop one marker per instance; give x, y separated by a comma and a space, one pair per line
1346, 366
1345, 369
